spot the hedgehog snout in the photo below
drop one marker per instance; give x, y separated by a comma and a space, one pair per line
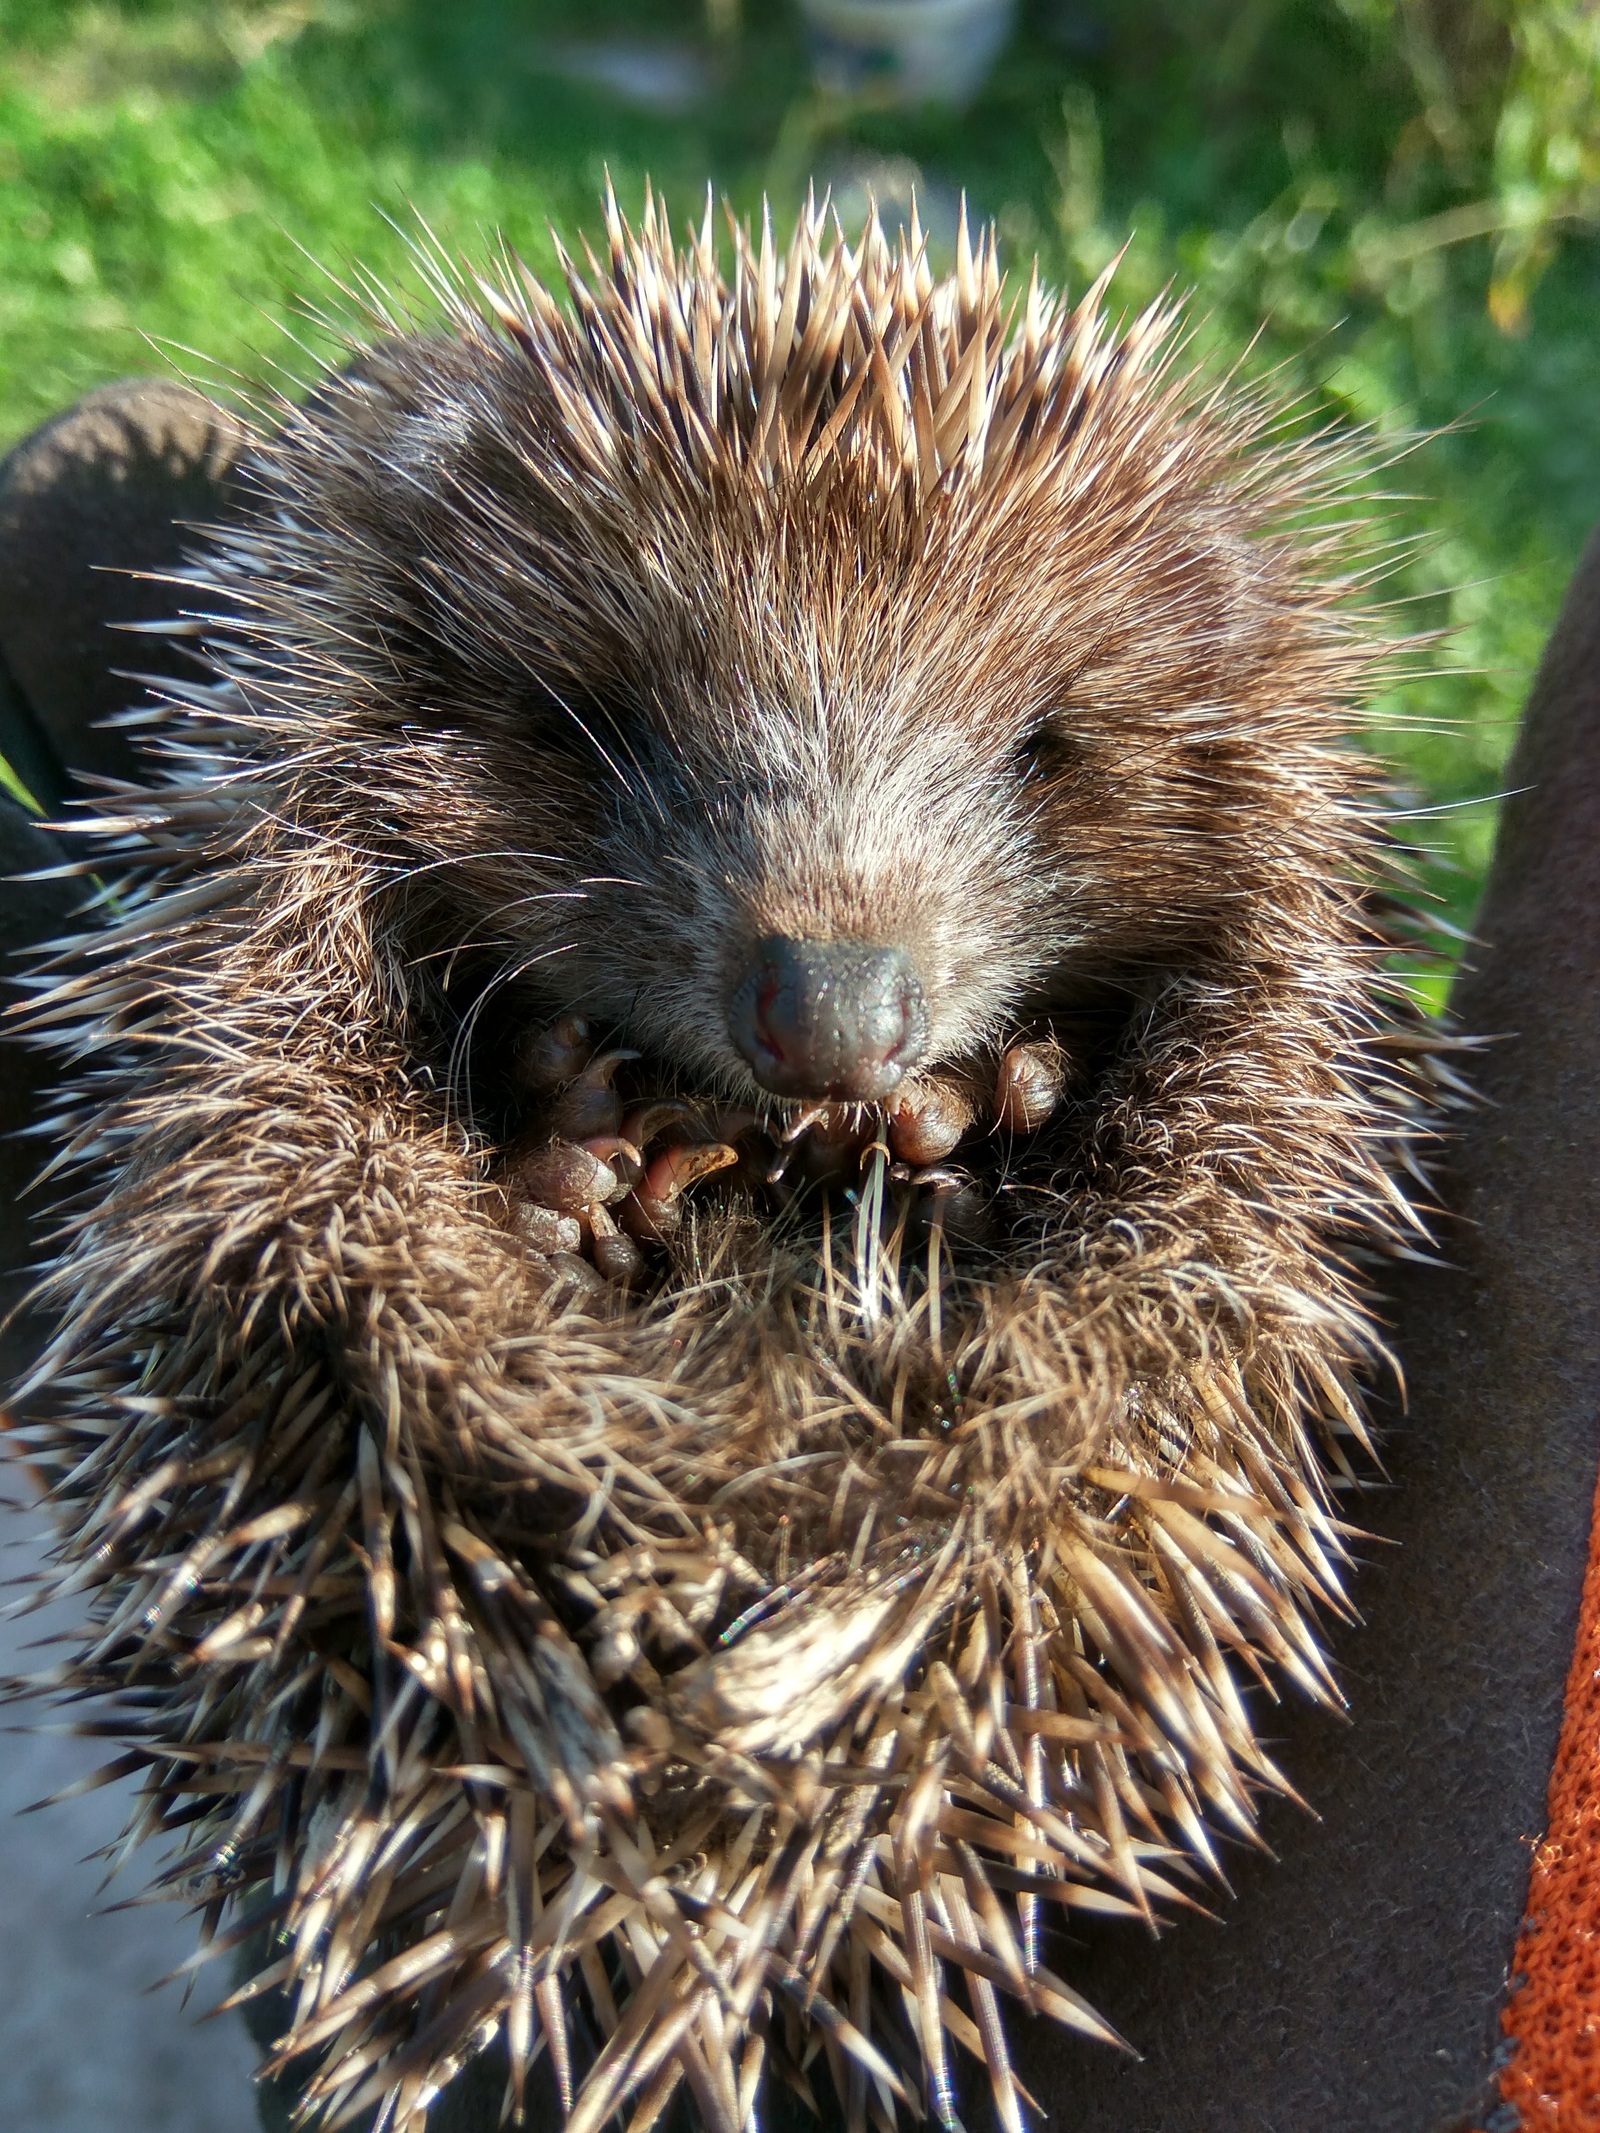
845, 1019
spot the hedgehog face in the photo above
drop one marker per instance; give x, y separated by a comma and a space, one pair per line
806, 754
789, 865
876, 793
803, 798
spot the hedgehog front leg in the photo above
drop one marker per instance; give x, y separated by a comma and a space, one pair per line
581, 1184
929, 1118
584, 1191
561, 1177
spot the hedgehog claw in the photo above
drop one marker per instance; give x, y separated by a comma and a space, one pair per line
621, 1156
589, 1104
553, 1056
653, 1211
645, 1121
680, 1167
941, 1177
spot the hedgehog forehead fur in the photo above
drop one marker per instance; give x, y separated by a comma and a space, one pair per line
649, 641
741, 1669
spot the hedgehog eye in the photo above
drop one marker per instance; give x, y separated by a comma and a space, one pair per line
1027, 756
579, 725
1046, 750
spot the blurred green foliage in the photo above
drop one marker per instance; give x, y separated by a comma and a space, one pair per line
1392, 203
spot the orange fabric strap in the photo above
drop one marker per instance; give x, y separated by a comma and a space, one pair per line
1553, 2016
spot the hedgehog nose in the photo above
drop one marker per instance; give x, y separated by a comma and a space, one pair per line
841, 1018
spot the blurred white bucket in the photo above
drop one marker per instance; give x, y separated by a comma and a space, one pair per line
915, 51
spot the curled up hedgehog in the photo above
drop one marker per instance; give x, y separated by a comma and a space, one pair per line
731, 1119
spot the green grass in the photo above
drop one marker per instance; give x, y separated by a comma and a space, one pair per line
1401, 221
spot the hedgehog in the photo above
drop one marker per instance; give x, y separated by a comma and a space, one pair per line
735, 1097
